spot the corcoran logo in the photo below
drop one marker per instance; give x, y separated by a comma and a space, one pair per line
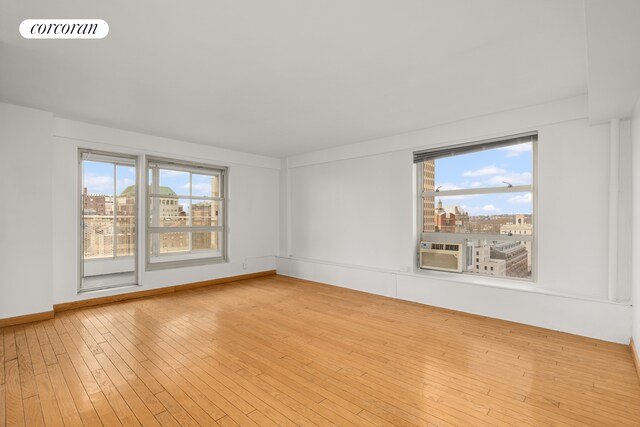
64, 29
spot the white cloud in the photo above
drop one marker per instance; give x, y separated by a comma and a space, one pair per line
169, 173
516, 150
513, 178
485, 171
520, 199
98, 184
202, 187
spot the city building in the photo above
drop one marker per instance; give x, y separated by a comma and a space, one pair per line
97, 204
514, 255
486, 264
521, 226
169, 206
505, 259
203, 214
428, 184
450, 219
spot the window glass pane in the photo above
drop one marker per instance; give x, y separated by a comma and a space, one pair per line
173, 242
174, 182
205, 241
206, 213
98, 236
489, 168
126, 235
446, 218
206, 185
190, 206
97, 208
184, 246
108, 222
496, 213
170, 212
499, 258
97, 177
125, 210
125, 179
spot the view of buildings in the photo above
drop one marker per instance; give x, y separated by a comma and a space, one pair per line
484, 256
110, 226
106, 216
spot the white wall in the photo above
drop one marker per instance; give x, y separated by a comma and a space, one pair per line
252, 201
625, 215
25, 211
635, 273
353, 216
347, 217
39, 208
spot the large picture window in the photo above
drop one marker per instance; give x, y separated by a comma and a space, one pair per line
477, 207
186, 214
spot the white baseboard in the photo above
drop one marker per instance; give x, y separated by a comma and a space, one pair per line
600, 319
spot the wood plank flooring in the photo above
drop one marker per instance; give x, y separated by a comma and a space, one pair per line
276, 351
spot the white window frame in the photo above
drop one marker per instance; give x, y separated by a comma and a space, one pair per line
118, 159
463, 238
151, 231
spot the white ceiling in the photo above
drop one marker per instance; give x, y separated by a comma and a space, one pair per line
283, 77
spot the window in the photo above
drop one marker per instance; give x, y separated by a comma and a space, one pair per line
186, 214
108, 206
481, 196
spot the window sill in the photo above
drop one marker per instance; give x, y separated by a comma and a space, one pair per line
164, 265
109, 289
477, 279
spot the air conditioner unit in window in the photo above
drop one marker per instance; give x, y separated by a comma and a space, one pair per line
441, 256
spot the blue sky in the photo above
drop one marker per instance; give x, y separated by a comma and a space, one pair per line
489, 168
99, 177
179, 182
482, 169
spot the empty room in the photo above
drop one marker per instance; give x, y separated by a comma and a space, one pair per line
320, 213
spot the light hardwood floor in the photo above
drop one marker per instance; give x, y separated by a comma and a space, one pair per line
276, 351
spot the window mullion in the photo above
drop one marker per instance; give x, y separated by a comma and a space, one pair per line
155, 182
115, 209
475, 191
190, 235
